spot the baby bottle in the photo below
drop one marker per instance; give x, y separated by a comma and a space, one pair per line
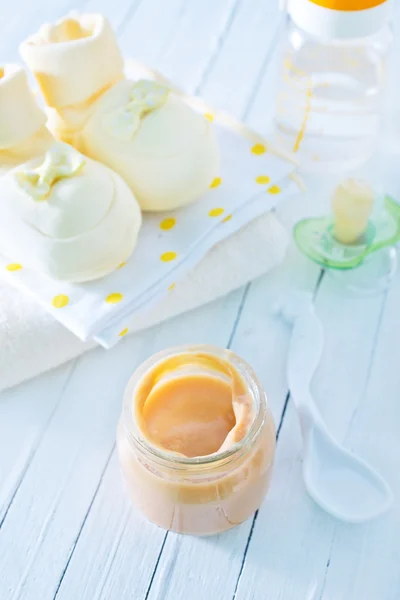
332, 81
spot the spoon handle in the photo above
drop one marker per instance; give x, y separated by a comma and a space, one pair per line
305, 352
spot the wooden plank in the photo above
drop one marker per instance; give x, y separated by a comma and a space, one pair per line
364, 560
24, 415
117, 550
196, 40
263, 103
299, 533
233, 83
118, 13
48, 509
148, 34
180, 42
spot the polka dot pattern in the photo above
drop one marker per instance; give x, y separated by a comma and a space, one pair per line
216, 212
114, 298
258, 149
167, 224
274, 189
216, 182
228, 218
14, 267
123, 332
60, 301
168, 256
263, 179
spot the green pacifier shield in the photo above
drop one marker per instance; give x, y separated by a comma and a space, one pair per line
314, 237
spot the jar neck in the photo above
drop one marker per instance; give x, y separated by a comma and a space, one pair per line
159, 458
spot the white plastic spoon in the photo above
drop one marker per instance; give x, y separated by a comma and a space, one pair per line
342, 484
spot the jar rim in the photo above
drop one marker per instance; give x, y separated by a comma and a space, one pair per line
174, 461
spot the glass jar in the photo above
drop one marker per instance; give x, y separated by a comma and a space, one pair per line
331, 87
201, 495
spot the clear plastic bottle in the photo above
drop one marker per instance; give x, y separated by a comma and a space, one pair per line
332, 81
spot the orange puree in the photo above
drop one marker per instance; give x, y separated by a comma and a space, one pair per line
191, 415
196, 440
194, 406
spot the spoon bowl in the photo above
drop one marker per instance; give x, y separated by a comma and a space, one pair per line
342, 484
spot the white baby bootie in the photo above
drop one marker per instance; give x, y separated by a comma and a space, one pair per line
67, 216
165, 151
23, 132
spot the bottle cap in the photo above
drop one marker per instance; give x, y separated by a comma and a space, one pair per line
340, 19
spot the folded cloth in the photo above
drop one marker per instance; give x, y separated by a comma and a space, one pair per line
32, 341
251, 182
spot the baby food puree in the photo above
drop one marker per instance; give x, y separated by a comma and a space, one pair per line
196, 440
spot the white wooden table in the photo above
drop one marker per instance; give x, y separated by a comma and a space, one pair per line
67, 528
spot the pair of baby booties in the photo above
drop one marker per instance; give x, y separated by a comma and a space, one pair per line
71, 194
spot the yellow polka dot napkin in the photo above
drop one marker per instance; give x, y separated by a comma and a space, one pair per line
251, 182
